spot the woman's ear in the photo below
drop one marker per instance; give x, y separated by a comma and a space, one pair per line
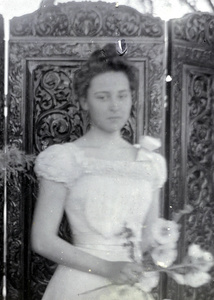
83, 103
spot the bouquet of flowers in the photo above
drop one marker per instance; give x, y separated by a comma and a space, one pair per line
194, 268
161, 256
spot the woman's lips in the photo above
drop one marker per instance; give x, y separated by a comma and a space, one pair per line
114, 118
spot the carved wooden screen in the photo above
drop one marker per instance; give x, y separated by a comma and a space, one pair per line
192, 136
1, 138
46, 47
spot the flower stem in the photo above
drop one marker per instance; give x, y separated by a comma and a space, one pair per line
169, 269
180, 266
97, 289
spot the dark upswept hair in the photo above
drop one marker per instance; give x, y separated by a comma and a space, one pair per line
101, 61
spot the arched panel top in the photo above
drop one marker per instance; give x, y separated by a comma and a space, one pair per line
194, 28
84, 19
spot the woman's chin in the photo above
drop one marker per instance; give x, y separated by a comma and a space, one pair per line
114, 127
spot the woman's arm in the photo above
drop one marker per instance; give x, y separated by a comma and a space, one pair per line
45, 240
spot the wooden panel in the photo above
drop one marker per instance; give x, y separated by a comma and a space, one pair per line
1, 138
43, 112
2, 78
191, 165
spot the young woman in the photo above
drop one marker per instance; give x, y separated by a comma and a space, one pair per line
108, 188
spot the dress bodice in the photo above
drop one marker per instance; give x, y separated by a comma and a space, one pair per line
105, 198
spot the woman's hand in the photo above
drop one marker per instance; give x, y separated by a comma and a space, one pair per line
121, 272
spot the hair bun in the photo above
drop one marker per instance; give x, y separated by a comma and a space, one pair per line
110, 50
107, 52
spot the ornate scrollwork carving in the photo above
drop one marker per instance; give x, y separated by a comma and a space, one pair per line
52, 88
57, 113
122, 23
200, 142
50, 22
22, 27
199, 227
149, 27
87, 19
87, 23
195, 28
54, 127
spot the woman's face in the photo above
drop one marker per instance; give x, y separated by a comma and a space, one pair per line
109, 101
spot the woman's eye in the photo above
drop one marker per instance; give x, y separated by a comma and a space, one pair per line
102, 98
123, 96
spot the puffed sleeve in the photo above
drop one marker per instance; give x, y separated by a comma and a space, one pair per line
158, 161
59, 163
159, 164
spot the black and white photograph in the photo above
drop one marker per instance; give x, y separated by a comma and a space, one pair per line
107, 150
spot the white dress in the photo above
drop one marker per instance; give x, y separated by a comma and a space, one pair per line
105, 201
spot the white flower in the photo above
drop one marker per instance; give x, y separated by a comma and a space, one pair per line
164, 256
200, 259
197, 279
193, 279
179, 278
165, 232
148, 281
195, 251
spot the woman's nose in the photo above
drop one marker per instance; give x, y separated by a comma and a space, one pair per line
114, 105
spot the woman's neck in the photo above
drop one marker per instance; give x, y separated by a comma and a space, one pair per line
99, 138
